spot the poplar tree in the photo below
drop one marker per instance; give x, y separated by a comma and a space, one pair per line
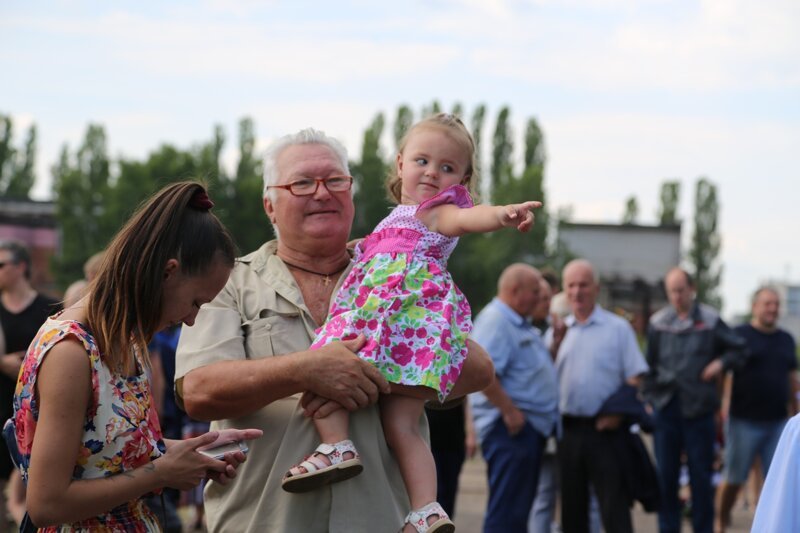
631, 211
704, 252
371, 201
668, 208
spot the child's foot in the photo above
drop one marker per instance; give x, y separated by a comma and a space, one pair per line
330, 463
428, 519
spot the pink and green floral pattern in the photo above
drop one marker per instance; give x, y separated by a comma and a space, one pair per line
401, 297
121, 429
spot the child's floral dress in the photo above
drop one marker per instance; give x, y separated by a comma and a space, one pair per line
400, 295
120, 432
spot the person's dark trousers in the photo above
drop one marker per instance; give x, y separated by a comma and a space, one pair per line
587, 456
168, 512
672, 435
448, 468
513, 469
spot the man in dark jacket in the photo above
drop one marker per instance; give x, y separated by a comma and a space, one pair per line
688, 349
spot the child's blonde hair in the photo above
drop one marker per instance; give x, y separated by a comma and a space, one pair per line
451, 126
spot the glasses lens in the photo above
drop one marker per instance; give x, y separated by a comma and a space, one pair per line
338, 183
301, 187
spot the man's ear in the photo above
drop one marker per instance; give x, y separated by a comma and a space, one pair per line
269, 209
171, 268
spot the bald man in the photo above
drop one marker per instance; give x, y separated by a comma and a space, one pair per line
688, 349
597, 357
519, 410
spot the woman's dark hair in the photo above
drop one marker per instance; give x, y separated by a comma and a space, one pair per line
125, 299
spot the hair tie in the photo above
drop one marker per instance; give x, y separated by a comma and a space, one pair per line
201, 201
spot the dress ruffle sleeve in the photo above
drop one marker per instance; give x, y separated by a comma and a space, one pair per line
455, 194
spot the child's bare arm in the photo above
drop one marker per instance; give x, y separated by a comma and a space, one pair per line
453, 221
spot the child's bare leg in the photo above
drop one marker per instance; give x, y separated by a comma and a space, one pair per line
333, 460
333, 427
400, 416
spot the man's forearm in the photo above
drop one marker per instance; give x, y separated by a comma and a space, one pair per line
236, 388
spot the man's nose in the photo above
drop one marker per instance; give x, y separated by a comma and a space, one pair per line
322, 191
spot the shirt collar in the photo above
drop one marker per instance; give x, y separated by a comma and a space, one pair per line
595, 318
513, 317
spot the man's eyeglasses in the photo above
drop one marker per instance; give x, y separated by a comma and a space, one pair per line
309, 186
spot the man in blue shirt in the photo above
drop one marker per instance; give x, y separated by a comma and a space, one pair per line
598, 356
519, 410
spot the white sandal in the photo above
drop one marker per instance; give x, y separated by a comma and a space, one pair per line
419, 519
318, 473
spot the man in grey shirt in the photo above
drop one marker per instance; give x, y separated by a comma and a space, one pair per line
688, 348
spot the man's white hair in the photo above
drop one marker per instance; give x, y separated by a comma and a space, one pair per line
306, 136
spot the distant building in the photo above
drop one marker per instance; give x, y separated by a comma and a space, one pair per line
630, 260
33, 223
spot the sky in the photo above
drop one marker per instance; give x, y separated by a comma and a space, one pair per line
629, 93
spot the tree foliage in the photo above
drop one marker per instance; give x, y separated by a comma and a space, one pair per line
704, 252
631, 213
371, 201
16, 165
668, 207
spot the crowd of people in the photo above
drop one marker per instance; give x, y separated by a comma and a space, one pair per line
313, 344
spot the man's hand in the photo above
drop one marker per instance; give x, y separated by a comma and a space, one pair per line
514, 419
316, 406
608, 422
712, 370
336, 373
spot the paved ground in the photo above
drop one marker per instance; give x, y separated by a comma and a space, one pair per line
471, 504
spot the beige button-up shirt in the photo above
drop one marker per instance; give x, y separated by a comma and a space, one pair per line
261, 313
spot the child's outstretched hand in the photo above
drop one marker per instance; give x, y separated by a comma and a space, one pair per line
519, 216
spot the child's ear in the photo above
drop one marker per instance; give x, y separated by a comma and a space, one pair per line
399, 165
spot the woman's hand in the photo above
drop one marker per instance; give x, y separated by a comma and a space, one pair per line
184, 467
233, 459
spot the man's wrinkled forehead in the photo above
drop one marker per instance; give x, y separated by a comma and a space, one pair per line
312, 160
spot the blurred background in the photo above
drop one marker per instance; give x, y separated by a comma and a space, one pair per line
655, 131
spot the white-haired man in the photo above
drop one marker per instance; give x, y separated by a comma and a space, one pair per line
229, 371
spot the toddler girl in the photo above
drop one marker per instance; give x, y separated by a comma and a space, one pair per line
401, 297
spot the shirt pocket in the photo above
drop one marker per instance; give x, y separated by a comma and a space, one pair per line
274, 334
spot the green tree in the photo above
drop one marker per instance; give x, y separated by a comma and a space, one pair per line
478, 119
705, 248
430, 110
81, 189
631, 211
7, 152
502, 148
371, 201
22, 177
247, 221
16, 166
402, 122
668, 208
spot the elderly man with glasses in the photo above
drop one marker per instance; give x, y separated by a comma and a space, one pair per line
246, 363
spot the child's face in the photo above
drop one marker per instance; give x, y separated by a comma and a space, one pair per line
430, 163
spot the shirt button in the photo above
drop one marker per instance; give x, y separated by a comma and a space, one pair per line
267, 327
